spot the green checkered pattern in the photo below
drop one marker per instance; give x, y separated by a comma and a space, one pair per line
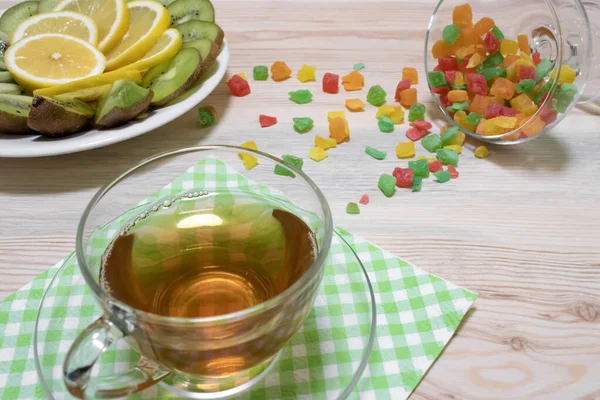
417, 314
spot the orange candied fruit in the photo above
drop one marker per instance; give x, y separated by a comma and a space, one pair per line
484, 25
462, 16
524, 44
280, 71
458, 96
479, 104
503, 88
442, 49
408, 97
338, 130
355, 104
412, 74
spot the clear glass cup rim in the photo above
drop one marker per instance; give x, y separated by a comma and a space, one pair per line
550, 92
103, 296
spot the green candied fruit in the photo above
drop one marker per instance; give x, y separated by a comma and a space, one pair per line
526, 86
492, 72
442, 176
493, 60
449, 135
293, 161
537, 98
386, 124
352, 209
451, 33
283, 171
376, 154
359, 66
302, 96
303, 125
387, 184
461, 87
448, 157
416, 112
420, 167
462, 106
206, 117
543, 69
437, 78
376, 96
432, 143
417, 184
565, 96
498, 33
261, 73
474, 118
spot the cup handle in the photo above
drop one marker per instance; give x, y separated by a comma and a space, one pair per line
84, 354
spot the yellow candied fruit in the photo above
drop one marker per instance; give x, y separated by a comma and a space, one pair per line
405, 150
395, 113
307, 73
509, 47
567, 75
429, 159
249, 160
241, 75
454, 147
459, 139
461, 119
481, 152
474, 61
317, 154
335, 114
491, 128
325, 143
460, 79
465, 51
505, 122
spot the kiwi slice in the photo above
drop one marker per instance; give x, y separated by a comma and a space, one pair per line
11, 88
185, 10
86, 95
55, 118
47, 6
14, 111
154, 73
122, 103
184, 69
195, 29
17, 14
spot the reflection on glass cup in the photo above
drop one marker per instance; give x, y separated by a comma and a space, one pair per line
207, 284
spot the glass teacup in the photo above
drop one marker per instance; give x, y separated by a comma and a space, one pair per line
207, 283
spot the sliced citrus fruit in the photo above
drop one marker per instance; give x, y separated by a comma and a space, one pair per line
94, 81
66, 22
149, 20
165, 49
111, 17
52, 59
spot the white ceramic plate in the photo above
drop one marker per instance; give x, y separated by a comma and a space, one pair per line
21, 146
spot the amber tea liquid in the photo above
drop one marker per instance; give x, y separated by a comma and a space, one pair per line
207, 256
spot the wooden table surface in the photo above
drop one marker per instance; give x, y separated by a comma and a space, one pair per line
521, 228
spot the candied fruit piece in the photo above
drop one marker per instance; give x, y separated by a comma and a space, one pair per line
453, 172
417, 112
266, 121
503, 88
524, 44
364, 200
484, 25
405, 150
448, 157
307, 73
206, 117
462, 16
411, 74
376, 154
325, 143
447, 64
280, 71
303, 125
317, 154
404, 84
376, 96
404, 177
477, 84
481, 152
260, 73
301, 96
387, 185
331, 83
442, 176
352, 209
451, 33
238, 86
408, 97
338, 130
420, 167
355, 105
358, 66
416, 134
432, 143
509, 47
436, 166
386, 125
335, 114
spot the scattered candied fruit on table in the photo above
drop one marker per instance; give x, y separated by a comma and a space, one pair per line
364, 200
307, 73
376, 154
260, 73
387, 184
249, 160
325, 143
352, 209
404, 177
317, 154
405, 150
376, 96
331, 83
266, 121
238, 86
355, 105
301, 96
411, 74
280, 71
338, 130
303, 124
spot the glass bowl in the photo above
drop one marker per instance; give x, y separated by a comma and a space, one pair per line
559, 30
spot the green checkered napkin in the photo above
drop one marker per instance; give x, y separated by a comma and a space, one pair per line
417, 314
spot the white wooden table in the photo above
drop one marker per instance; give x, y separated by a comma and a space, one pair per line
521, 228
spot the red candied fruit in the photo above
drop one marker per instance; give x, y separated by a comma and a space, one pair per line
491, 43
450, 76
536, 57
465, 63
404, 177
331, 83
423, 125
476, 84
526, 72
402, 86
364, 200
266, 121
436, 166
508, 112
437, 68
448, 64
441, 90
238, 86
548, 115
494, 110
453, 172
416, 134
445, 101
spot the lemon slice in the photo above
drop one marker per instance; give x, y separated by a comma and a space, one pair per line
94, 81
149, 20
165, 49
111, 17
66, 22
52, 59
